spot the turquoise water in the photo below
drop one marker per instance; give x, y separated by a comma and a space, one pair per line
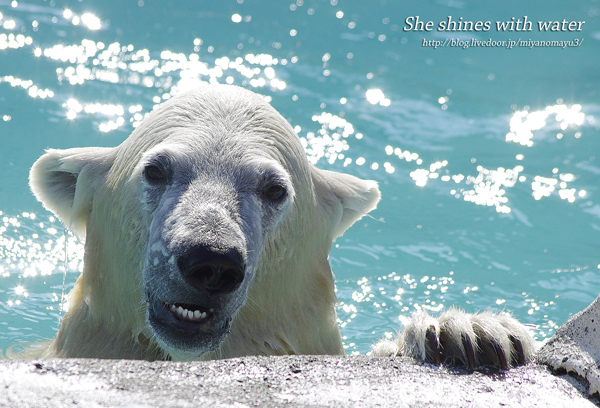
488, 158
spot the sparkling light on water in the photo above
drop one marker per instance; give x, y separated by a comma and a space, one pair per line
40, 253
14, 41
32, 263
9, 24
91, 21
115, 63
489, 187
327, 144
32, 90
523, 123
376, 96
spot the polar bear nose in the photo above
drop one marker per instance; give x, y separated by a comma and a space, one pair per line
215, 272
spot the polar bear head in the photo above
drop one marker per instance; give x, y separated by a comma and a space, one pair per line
207, 230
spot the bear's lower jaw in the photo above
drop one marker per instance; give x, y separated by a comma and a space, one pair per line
187, 328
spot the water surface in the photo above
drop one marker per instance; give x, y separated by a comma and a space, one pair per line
488, 158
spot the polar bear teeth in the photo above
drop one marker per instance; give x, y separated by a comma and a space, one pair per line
194, 315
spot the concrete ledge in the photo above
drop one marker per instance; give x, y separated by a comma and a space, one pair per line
289, 381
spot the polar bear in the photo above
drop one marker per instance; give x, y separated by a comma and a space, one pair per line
207, 234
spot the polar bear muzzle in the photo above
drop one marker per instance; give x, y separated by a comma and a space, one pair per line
201, 325
201, 292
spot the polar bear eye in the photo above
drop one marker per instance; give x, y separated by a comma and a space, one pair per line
275, 192
153, 172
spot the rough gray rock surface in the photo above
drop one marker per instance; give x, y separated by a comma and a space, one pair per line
290, 381
575, 347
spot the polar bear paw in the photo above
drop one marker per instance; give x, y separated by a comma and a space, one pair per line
459, 338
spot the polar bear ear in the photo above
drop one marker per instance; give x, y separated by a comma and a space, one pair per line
65, 181
355, 197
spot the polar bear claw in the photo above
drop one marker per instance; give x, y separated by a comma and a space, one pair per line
460, 338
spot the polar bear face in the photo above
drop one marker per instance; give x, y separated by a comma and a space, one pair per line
210, 205
206, 234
